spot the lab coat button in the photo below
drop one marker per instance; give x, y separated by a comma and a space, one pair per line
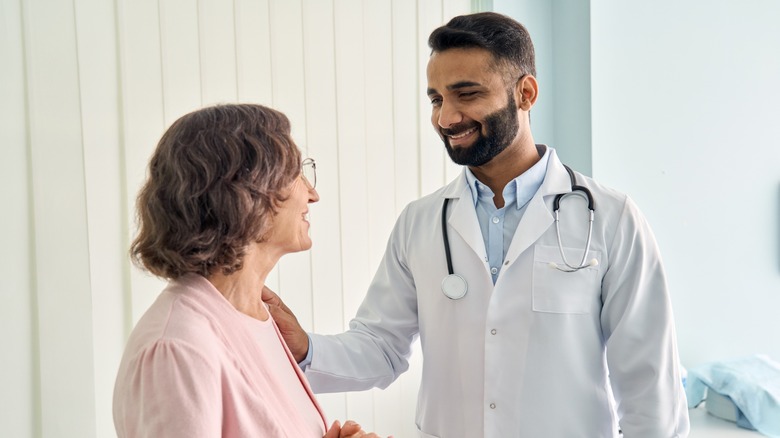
493, 332
492, 406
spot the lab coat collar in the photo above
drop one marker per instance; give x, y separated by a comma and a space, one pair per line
536, 219
538, 216
463, 218
556, 181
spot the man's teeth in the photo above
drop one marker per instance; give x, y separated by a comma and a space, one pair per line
463, 134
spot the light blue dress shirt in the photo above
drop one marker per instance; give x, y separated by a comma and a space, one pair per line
498, 225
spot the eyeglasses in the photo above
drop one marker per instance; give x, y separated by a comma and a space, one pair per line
309, 172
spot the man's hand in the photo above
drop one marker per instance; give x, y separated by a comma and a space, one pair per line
292, 332
350, 430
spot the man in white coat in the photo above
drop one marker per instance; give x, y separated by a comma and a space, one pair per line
540, 345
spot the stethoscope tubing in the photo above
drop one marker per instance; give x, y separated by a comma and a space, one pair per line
446, 236
584, 192
454, 286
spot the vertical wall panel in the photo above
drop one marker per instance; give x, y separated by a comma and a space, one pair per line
142, 121
351, 110
99, 91
180, 45
380, 163
217, 52
323, 147
380, 156
287, 63
321, 123
59, 206
407, 96
253, 51
431, 150
353, 174
17, 398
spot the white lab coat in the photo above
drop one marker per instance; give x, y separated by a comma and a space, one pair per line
534, 355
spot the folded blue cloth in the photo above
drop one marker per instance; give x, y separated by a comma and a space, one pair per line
752, 383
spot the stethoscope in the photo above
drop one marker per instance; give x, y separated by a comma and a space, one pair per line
455, 287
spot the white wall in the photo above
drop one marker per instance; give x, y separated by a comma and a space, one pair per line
88, 87
686, 103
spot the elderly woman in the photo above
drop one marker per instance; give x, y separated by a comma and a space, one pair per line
226, 197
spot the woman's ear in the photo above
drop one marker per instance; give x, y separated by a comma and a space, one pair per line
526, 92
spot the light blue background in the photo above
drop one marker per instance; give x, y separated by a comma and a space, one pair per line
678, 105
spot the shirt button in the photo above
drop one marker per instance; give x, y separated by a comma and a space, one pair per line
492, 406
493, 270
495, 220
493, 332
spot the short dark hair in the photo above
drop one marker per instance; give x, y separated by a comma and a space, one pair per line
507, 40
214, 182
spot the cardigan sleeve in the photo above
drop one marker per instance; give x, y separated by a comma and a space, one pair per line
170, 390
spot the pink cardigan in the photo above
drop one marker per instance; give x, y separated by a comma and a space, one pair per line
193, 368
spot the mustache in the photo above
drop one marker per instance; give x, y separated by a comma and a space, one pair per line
456, 129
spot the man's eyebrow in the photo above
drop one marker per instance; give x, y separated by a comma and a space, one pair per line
456, 86
463, 84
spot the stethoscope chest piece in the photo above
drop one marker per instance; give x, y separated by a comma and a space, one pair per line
454, 287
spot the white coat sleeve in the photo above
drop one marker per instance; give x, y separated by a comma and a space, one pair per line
376, 348
638, 327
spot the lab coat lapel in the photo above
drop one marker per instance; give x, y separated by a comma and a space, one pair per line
463, 216
538, 214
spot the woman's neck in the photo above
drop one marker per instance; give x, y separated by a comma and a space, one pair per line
243, 288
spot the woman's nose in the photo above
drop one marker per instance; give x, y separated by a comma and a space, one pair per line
313, 195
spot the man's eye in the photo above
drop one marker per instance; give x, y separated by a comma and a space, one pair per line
435, 101
468, 94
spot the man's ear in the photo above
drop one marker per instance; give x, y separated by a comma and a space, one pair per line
526, 92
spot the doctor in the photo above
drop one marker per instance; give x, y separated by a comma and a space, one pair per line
527, 349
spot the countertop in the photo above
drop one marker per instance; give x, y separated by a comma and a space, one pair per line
704, 425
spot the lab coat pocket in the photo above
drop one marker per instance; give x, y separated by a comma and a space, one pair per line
555, 291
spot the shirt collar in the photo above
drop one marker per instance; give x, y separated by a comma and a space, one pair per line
521, 189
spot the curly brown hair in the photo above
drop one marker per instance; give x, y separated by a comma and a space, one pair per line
214, 182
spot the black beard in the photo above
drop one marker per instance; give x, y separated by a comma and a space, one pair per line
501, 129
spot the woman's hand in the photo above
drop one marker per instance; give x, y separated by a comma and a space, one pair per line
349, 430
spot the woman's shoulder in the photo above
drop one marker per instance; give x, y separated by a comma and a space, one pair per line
182, 318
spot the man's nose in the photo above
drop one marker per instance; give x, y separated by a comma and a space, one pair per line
449, 115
